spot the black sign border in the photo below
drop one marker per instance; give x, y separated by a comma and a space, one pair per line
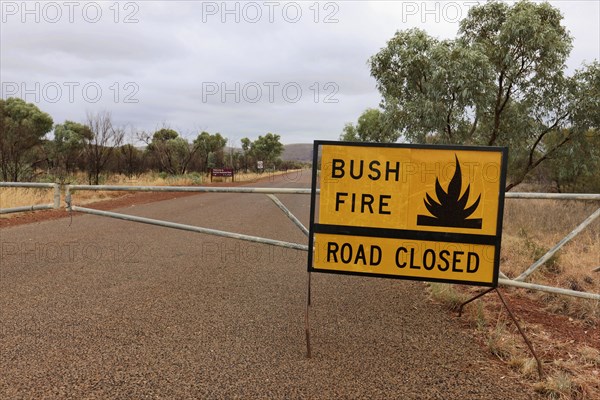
435, 236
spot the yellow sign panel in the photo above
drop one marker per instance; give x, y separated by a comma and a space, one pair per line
387, 187
404, 257
445, 200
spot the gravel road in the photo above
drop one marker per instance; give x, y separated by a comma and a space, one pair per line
99, 308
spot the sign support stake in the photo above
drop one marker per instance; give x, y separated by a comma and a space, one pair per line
306, 321
514, 319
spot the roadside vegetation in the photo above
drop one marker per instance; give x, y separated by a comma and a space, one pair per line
96, 151
34, 149
563, 330
15, 197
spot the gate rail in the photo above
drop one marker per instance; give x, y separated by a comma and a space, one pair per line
271, 192
54, 205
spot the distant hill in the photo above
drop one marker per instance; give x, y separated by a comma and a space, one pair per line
291, 152
297, 152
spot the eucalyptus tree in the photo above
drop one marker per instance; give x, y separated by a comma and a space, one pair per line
501, 81
67, 148
372, 126
22, 127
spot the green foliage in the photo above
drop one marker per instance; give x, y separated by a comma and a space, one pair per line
175, 155
211, 161
207, 144
164, 135
246, 153
268, 148
429, 87
500, 82
196, 178
246, 144
22, 127
71, 134
372, 126
170, 149
67, 147
575, 168
172, 152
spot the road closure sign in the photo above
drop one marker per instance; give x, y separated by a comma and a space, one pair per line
421, 212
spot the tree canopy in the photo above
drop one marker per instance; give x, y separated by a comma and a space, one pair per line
22, 127
68, 144
501, 82
266, 148
174, 153
371, 127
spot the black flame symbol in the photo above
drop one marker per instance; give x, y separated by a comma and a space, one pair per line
452, 210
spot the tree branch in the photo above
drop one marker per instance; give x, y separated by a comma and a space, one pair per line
448, 117
474, 126
541, 136
531, 166
496, 109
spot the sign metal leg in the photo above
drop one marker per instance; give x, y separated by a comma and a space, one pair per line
306, 320
514, 319
539, 364
472, 299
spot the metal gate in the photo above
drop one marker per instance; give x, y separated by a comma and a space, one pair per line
519, 281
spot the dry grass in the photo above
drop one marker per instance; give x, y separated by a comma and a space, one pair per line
447, 295
527, 366
500, 343
557, 386
15, 197
532, 227
571, 371
590, 356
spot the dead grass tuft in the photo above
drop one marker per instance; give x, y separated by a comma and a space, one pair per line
557, 386
500, 343
590, 356
527, 366
447, 295
587, 311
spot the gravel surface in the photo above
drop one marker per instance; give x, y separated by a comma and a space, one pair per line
102, 308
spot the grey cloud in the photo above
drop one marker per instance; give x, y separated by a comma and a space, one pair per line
174, 50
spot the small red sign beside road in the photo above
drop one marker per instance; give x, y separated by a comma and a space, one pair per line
222, 172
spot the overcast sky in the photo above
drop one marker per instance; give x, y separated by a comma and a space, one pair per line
295, 68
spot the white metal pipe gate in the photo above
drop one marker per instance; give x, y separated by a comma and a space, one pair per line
55, 204
271, 192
